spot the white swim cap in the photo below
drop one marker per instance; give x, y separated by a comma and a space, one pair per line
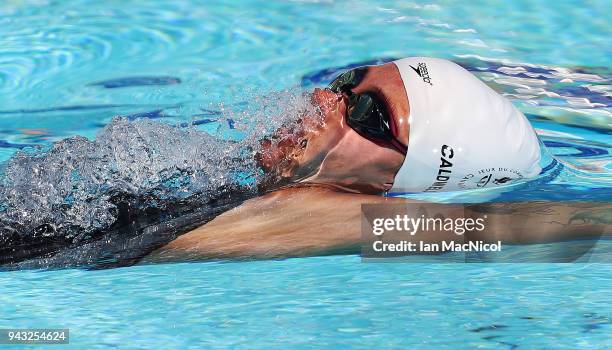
463, 135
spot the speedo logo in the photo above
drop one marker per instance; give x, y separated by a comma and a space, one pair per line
423, 73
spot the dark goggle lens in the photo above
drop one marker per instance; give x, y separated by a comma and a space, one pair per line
359, 107
347, 80
365, 114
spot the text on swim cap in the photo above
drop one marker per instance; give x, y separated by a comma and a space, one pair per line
444, 170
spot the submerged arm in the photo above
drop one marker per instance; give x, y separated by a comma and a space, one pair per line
289, 222
317, 221
543, 221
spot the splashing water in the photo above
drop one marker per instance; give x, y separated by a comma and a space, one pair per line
77, 189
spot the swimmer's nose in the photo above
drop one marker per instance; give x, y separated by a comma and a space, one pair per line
327, 100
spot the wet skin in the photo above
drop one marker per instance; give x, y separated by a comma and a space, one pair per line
307, 221
325, 150
326, 159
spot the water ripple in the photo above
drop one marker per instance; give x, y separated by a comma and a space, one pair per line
39, 50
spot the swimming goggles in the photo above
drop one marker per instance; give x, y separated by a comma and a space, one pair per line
365, 113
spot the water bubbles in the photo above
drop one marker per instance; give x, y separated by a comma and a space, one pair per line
75, 188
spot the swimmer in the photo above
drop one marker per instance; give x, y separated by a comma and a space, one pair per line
414, 125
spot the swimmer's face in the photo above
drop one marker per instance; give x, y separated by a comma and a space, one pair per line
323, 148
296, 151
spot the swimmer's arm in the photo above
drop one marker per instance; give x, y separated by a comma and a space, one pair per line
542, 221
290, 222
314, 221
287, 223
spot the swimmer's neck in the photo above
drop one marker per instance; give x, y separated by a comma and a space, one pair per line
335, 187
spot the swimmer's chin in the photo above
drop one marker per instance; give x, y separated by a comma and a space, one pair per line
294, 175
272, 182
275, 183
282, 173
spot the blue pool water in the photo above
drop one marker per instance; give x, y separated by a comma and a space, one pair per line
66, 68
